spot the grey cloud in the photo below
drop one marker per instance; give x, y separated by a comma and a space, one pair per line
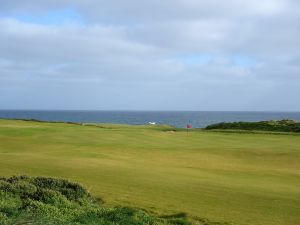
126, 55
135, 11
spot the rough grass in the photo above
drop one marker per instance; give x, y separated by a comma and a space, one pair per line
40, 200
239, 178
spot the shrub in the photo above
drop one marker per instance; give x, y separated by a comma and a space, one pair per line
71, 190
273, 125
25, 200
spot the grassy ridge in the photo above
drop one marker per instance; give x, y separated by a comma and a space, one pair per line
238, 178
273, 125
25, 200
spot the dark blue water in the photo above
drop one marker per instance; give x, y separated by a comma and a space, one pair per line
175, 118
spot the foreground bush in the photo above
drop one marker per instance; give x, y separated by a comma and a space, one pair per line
26, 200
273, 125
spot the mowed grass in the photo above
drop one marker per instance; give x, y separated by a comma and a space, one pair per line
240, 178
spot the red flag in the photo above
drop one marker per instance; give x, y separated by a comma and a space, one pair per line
189, 126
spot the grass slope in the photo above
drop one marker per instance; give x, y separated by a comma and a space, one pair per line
238, 178
25, 200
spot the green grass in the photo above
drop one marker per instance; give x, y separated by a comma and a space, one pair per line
240, 178
48, 201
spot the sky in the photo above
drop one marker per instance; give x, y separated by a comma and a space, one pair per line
220, 55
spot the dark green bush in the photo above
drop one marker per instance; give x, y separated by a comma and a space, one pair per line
273, 125
72, 191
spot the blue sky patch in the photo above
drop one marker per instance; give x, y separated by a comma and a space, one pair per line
242, 60
51, 17
203, 58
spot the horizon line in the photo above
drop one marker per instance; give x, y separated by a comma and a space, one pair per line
153, 110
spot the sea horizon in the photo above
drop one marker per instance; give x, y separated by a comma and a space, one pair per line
177, 118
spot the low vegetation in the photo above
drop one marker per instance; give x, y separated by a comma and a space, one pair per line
25, 200
272, 125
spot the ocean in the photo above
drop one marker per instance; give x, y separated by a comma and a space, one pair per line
175, 118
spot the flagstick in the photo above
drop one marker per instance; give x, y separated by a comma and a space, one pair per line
188, 126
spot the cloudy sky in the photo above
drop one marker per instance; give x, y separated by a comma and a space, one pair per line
150, 55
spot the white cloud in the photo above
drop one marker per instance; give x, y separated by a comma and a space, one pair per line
134, 50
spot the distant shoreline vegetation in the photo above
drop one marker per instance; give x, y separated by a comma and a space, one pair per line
43, 121
285, 125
